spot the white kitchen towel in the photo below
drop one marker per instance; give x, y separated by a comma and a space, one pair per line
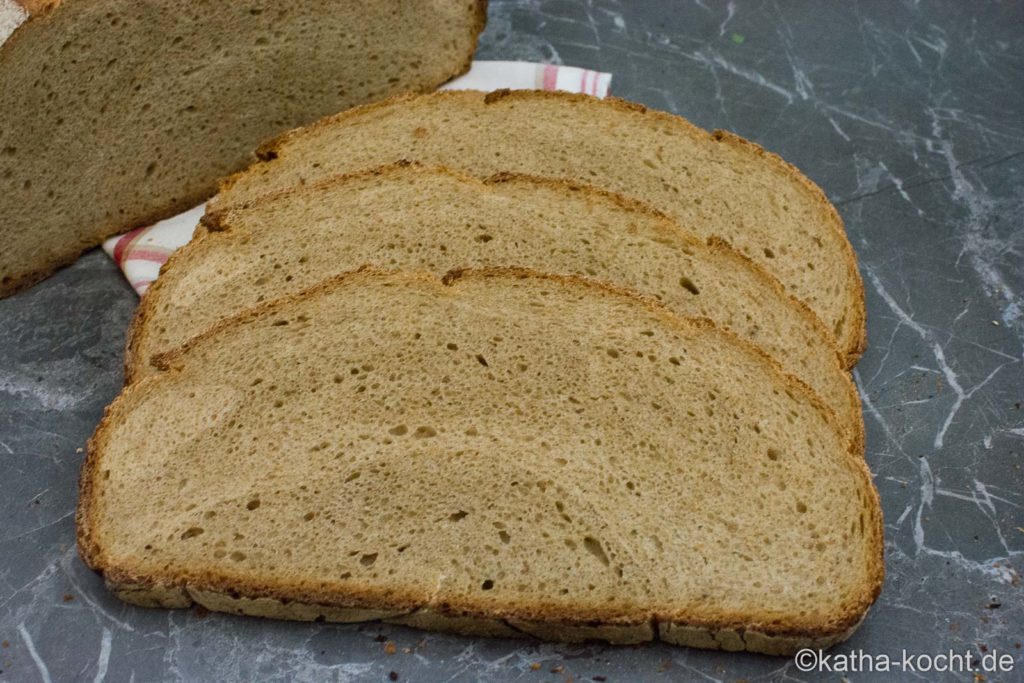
141, 252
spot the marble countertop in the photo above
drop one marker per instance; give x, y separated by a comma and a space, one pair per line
910, 115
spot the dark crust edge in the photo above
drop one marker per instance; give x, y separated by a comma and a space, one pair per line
852, 345
43, 10
219, 220
822, 631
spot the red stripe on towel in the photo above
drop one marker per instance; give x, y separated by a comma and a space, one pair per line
156, 255
550, 77
124, 242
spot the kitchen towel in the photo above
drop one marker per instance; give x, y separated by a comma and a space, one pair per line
141, 252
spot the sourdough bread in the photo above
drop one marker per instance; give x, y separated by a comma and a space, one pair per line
416, 218
114, 113
499, 451
715, 183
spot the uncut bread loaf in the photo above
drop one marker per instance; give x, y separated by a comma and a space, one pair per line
416, 218
715, 183
499, 452
114, 113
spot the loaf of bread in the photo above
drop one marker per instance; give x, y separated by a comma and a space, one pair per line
409, 217
717, 184
500, 452
114, 113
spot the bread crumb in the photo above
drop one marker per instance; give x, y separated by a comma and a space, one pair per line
389, 648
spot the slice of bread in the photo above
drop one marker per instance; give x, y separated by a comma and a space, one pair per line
497, 452
114, 113
715, 183
416, 218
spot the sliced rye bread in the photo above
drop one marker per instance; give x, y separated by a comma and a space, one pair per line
498, 452
416, 218
115, 113
715, 183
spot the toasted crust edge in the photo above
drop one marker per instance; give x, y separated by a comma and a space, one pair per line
214, 220
757, 633
853, 344
451, 620
43, 10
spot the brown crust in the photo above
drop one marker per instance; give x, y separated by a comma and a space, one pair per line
217, 220
763, 633
34, 7
43, 10
852, 345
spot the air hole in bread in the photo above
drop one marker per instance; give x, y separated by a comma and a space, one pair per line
593, 546
687, 284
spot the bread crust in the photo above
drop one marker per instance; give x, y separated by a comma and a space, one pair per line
853, 343
767, 633
37, 6
215, 220
42, 11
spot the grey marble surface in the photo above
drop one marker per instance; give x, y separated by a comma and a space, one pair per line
910, 115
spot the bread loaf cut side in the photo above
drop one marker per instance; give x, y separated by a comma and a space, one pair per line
498, 451
114, 113
418, 218
715, 183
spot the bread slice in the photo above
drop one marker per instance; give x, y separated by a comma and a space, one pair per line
497, 452
715, 183
416, 218
114, 113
